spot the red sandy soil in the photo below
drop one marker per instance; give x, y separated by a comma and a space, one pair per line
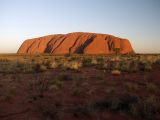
20, 107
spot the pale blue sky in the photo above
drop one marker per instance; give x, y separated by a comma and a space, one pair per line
136, 20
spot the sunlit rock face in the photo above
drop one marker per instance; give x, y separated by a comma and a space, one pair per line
76, 43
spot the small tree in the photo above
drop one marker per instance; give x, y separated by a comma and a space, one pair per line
116, 71
117, 50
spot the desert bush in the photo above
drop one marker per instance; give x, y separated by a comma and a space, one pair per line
100, 60
151, 87
40, 67
7, 91
74, 65
117, 50
16, 67
76, 91
145, 66
82, 111
115, 103
48, 108
64, 77
99, 76
94, 61
56, 84
4, 60
101, 64
46, 63
67, 55
129, 66
131, 87
70, 65
158, 62
105, 66
8, 94
112, 65
24, 67
80, 78
111, 90
5, 67
145, 107
37, 88
87, 62
125, 66
134, 66
52, 65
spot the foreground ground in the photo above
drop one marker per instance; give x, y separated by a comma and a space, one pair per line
79, 88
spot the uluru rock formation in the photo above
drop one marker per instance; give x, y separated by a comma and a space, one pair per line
78, 43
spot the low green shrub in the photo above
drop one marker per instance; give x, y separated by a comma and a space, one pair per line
146, 107
151, 87
56, 84
125, 66
16, 67
131, 87
64, 77
87, 62
48, 108
115, 103
145, 66
158, 62
76, 91
37, 88
134, 66
40, 67
52, 65
82, 111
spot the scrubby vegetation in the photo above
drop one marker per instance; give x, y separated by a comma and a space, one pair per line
38, 63
80, 87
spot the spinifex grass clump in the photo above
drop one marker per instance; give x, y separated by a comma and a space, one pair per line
94, 61
38, 87
134, 66
48, 108
64, 76
52, 65
87, 62
70, 65
4, 60
151, 87
40, 67
74, 65
158, 62
145, 66
115, 66
125, 66
16, 67
139, 107
146, 107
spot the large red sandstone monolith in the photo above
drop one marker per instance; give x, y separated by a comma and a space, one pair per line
78, 43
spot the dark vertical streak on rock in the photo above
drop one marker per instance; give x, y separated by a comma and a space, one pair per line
110, 43
39, 43
30, 46
59, 44
74, 44
80, 49
48, 48
106, 37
